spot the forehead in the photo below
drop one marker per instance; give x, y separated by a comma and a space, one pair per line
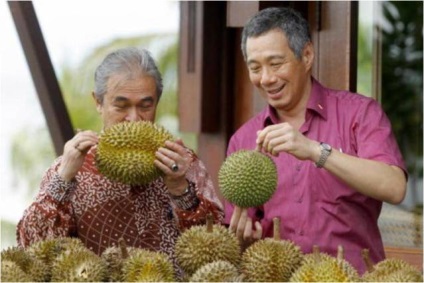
141, 83
270, 43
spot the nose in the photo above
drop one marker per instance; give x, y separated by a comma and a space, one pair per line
267, 77
132, 115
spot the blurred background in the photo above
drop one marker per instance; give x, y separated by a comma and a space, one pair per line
79, 34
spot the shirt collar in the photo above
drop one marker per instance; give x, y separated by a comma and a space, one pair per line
317, 104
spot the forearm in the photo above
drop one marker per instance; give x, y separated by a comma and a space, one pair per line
50, 215
372, 178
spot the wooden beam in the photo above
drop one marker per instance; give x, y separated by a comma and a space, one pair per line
42, 73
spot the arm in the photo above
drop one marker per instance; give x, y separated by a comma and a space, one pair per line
372, 178
50, 215
191, 191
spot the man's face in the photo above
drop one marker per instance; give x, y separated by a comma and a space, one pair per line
280, 77
128, 100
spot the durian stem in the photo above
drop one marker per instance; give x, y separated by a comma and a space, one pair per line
366, 257
276, 221
209, 223
315, 249
123, 246
315, 253
340, 255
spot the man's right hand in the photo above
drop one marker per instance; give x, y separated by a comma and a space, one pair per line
74, 153
241, 224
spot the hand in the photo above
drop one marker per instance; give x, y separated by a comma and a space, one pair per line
241, 225
174, 160
284, 138
74, 153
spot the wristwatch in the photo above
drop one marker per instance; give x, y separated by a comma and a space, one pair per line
325, 153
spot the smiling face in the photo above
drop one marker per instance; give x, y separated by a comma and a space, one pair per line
132, 99
281, 78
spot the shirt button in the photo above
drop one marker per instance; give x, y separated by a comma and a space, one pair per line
298, 168
301, 233
300, 200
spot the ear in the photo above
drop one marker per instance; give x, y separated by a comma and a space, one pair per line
308, 55
99, 105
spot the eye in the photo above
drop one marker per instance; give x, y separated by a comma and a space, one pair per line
146, 104
254, 69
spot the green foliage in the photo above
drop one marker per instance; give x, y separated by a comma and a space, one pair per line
402, 73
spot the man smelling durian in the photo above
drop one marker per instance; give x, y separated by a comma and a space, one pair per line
76, 200
336, 156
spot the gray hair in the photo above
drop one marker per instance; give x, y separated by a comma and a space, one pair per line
129, 62
289, 21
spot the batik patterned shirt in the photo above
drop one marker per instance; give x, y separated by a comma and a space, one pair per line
100, 211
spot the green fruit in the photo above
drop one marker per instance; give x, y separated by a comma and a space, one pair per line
148, 266
322, 267
114, 258
204, 244
217, 271
78, 264
390, 270
248, 178
271, 259
126, 152
11, 272
32, 267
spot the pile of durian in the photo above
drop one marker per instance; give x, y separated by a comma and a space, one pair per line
205, 253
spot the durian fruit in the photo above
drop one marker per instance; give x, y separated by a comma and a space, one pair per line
248, 178
217, 271
32, 267
126, 151
321, 267
47, 250
204, 244
271, 259
114, 257
11, 272
390, 270
78, 264
148, 266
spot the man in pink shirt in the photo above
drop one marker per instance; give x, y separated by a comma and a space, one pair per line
336, 156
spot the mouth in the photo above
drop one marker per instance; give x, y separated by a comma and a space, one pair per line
275, 92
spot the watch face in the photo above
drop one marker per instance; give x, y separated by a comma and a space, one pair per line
326, 146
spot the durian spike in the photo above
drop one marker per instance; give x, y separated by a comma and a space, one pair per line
276, 221
123, 246
366, 257
209, 223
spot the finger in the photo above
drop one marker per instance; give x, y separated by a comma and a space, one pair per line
247, 236
167, 158
235, 219
175, 147
257, 235
242, 223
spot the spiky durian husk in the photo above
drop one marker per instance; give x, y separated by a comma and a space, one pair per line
126, 151
248, 178
407, 274
196, 247
217, 271
34, 268
384, 269
78, 265
328, 269
114, 262
47, 250
148, 266
11, 272
270, 260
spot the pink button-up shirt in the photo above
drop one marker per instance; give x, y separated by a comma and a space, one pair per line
315, 207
